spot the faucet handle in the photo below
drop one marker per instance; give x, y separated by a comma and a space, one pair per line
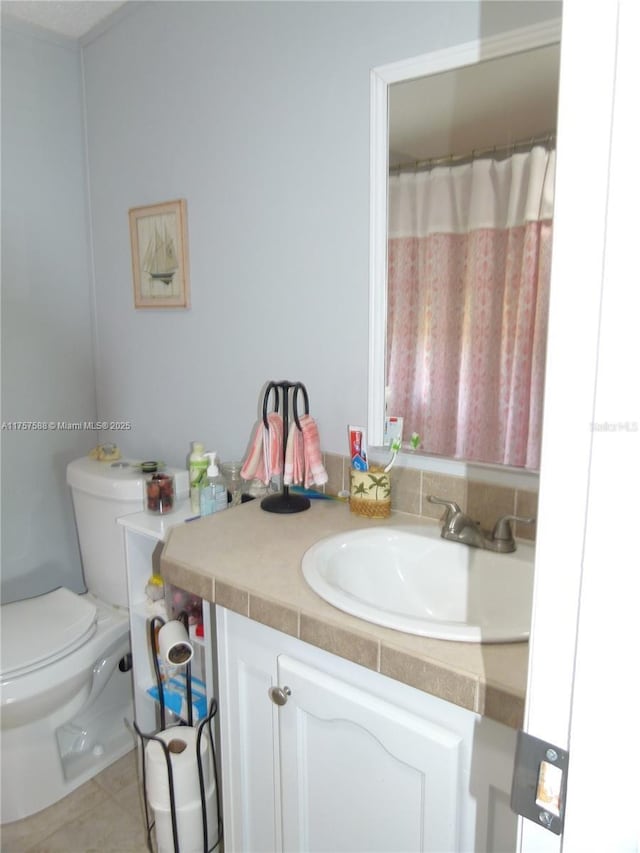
452, 506
502, 530
453, 510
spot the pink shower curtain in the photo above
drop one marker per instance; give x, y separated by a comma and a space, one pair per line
469, 271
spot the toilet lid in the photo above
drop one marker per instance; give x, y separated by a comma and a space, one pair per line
38, 630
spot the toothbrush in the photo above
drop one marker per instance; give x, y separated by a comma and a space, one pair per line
396, 444
313, 494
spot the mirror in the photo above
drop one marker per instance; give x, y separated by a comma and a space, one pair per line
449, 109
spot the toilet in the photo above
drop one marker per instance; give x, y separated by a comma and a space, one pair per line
65, 680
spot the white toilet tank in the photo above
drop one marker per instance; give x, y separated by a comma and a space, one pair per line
102, 492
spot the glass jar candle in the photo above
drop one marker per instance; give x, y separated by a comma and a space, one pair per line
159, 493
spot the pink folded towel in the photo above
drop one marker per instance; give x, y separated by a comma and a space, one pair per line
273, 438
264, 459
314, 470
303, 458
294, 457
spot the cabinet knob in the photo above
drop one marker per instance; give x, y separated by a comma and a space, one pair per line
279, 695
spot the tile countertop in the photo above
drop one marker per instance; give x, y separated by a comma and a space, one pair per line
248, 560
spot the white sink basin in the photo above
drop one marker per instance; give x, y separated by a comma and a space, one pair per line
410, 579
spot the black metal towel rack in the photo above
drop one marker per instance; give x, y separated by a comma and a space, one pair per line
284, 502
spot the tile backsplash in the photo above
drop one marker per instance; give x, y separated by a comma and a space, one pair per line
484, 502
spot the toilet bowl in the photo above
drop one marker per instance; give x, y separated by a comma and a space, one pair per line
66, 691
65, 681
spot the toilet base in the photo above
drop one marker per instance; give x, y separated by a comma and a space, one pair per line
42, 783
47, 759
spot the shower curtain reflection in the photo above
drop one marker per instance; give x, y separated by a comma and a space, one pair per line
468, 288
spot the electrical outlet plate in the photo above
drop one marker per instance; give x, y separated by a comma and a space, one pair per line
540, 782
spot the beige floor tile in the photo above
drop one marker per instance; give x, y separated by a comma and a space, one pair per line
107, 828
122, 782
21, 834
119, 774
130, 799
104, 814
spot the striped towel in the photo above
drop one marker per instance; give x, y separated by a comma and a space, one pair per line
314, 470
294, 457
264, 459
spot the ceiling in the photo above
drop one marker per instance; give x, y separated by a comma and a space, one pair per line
70, 18
492, 103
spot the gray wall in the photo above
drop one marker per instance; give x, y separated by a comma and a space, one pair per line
258, 115
47, 356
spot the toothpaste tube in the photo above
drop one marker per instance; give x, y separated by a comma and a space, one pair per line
358, 448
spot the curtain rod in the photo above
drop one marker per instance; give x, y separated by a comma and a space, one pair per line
500, 151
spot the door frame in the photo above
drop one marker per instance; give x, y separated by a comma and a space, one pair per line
586, 578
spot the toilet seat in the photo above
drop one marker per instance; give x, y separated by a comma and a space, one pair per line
50, 626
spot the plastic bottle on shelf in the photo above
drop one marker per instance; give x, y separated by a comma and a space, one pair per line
155, 587
213, 494
198, 464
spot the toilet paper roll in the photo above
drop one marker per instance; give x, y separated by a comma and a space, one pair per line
181, 741
189, 825
174, 644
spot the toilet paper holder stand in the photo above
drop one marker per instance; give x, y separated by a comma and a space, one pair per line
155, 624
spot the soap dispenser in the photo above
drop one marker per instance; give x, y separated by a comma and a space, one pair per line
213, 494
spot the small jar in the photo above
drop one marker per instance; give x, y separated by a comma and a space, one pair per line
256, 488
159, 493
235, 484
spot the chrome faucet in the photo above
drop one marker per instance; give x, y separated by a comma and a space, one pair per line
459, 527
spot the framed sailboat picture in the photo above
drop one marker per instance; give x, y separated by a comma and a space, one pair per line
159, 255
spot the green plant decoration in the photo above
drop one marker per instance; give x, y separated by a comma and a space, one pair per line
360, 489
380, 482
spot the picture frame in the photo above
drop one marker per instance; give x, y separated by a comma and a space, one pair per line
159, 255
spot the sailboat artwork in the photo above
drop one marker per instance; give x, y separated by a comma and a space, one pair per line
159, 254
160, 261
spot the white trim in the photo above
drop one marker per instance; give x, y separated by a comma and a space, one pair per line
468, 53
585, 107
607, 639
379, 160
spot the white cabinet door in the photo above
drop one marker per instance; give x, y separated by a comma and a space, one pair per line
248, 738
359, 773
352, 761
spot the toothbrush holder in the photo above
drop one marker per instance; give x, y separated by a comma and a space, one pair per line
370, 493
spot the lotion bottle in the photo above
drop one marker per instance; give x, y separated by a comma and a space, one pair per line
198, 464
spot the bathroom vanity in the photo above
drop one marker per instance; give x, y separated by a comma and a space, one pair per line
337, 733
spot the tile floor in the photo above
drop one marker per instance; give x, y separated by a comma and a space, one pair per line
105, 815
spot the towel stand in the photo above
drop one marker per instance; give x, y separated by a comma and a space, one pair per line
284, 502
